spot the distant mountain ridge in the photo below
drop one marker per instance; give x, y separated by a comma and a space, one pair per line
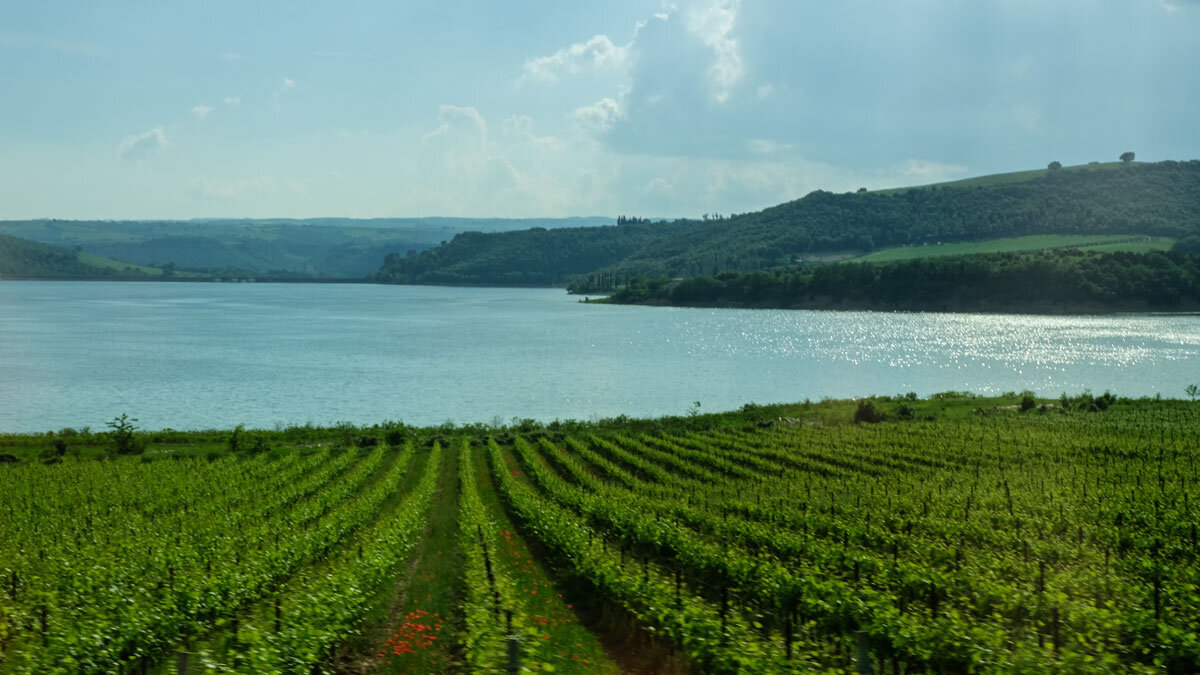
1159, 199
279, 247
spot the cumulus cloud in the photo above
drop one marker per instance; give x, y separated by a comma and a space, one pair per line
233, 101
599, 54
713, 24
600, 116
451, 117
520, 127
202, 111
222, 189
660, 185
137, 146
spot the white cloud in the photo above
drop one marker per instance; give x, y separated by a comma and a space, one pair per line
140, 145
713, 24
451, 116
287, 85
598, 54
222, 189
202, 111
233, 101
520, 127
600, 116
765, 90
660, 185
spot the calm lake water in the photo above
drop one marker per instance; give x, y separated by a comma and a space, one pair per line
192, 355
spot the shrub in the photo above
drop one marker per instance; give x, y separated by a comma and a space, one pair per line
235, 439
867, 412
260, 445
394, 437
1027, 402
124, 441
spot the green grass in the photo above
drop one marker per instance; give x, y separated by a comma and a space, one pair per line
109, 263
570, 647
1106, 243
1002, 178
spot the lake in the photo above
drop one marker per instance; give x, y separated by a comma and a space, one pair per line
203, 355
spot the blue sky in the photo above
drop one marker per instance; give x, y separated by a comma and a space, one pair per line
374, 108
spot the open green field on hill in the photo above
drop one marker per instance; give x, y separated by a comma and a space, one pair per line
1010, 177
891, 534
117, 266
1106, 243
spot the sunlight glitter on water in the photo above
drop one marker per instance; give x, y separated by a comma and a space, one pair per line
214, 355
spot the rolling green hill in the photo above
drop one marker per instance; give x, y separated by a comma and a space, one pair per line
1009, 177
1106, 243
31, 259
536, 257
1152, 199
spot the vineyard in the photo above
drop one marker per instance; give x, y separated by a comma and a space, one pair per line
948, 537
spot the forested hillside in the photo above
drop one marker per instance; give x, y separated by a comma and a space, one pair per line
1160, 199
1056, 281
537, 257
30, 259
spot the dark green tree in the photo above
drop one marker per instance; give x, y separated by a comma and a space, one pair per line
1054, 166
124, 441
1126, 157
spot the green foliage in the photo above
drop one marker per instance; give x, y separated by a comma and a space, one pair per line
1109, 243
1051, 281
22, 258
277, 247
395, 435
987, 541
1156, 199
1028, 402
867, 412
536, 257
122, 437
235, 438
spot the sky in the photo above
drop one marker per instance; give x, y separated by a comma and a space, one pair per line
545, 108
